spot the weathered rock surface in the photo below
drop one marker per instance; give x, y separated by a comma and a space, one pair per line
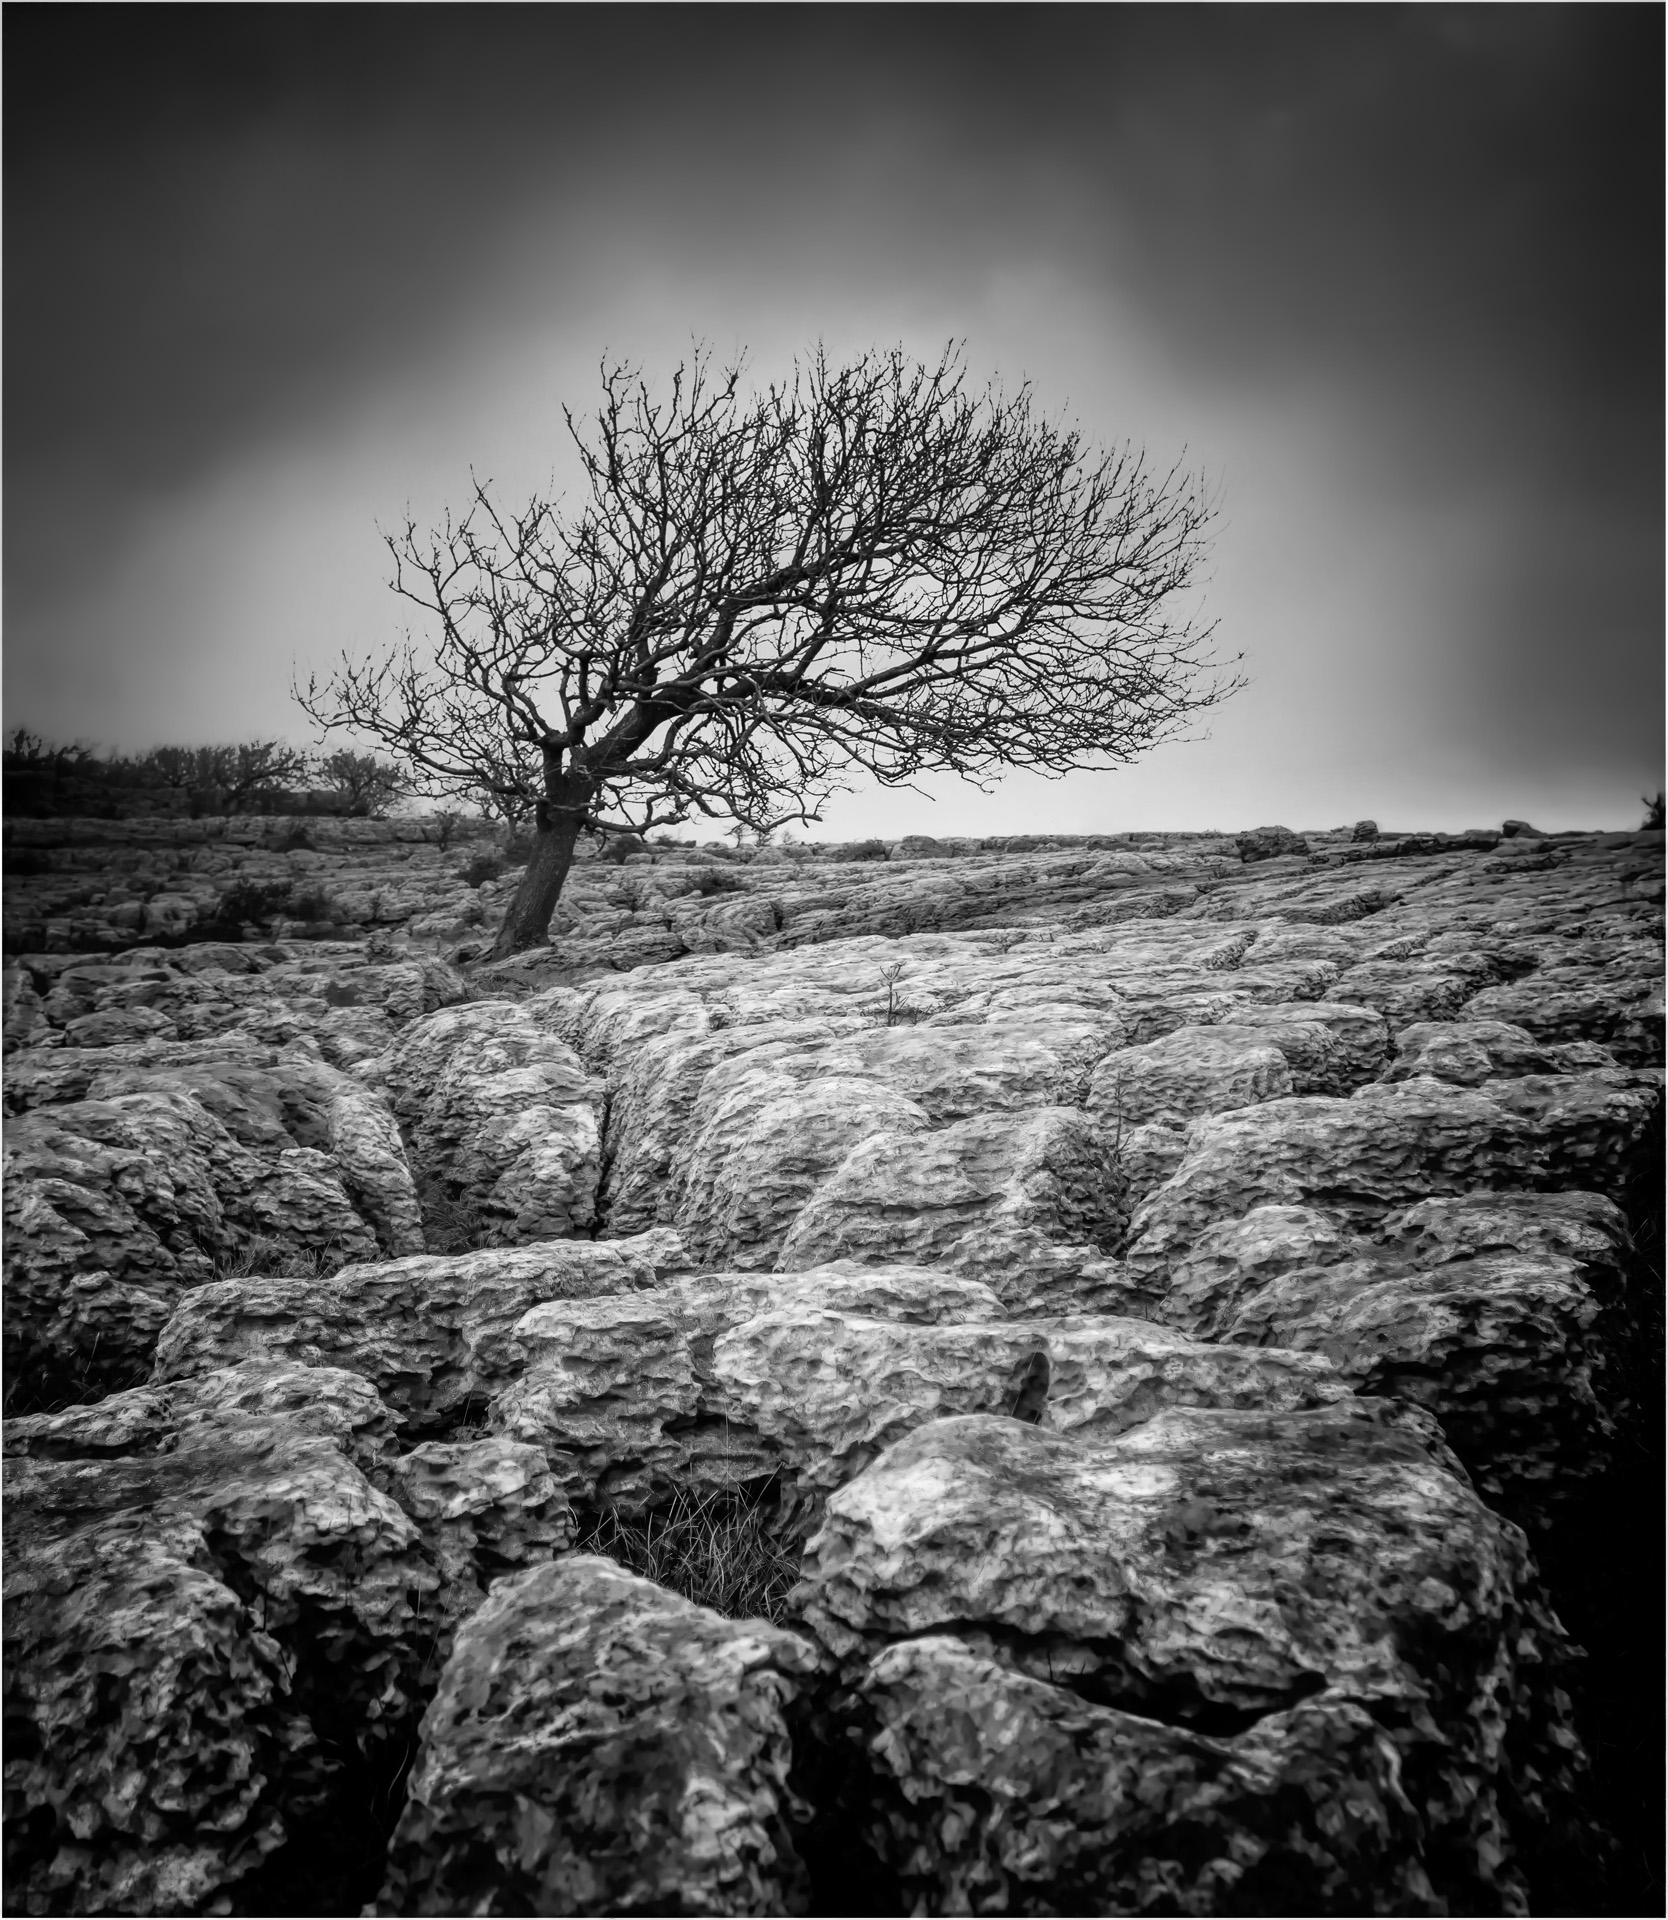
718, 1380
482, 1506
1500, 1313
341, 1002
738, 1100
130, 1180
209, 1594
503, 1122
433, 1332
1470, 1053
1231, 1262
1049, 1174
598, 1745
1000, 1793
1138, 1150
323, 1402
113, 1207
1303, 1593
185, 1623
1393, 1144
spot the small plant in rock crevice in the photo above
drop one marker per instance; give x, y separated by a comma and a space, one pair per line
450, 1223
274, 1259
715, 1547
1118, 1174
50, 1389
897, 1013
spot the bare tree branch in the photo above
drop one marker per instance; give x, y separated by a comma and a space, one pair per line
865, 566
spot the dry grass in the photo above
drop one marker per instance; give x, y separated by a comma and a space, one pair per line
715, 1548
274, 1259
451, 1224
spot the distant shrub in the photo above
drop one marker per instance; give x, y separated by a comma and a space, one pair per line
311, 905
711, 880
442, 827
360, 785
617, 848
480, 868
1653, 822
251, 902
862, 850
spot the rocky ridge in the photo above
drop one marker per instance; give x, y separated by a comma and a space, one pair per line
1172, 1299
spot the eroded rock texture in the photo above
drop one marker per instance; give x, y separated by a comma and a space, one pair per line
803, 1379
1154, 1274
1501, 1313
598, 1745
223, 1598
135, 1172
1287, 1659
504, 1124
433, 1332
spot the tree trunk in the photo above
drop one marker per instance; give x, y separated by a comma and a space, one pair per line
527, 924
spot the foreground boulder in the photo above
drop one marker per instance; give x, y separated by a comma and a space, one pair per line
1324, 1676
999, 1793
1499, 1313
222, 1597
194, 1623
115, 1207
598, 1745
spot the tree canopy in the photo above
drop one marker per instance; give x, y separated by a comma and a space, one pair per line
869, 566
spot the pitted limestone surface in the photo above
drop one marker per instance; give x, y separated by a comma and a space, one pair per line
1304, 1581
1121, 1250
803, 1379
433, 1332
599, 1746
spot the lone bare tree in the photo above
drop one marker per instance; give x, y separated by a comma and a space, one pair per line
867, 565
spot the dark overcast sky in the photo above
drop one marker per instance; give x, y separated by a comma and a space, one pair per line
1393, 276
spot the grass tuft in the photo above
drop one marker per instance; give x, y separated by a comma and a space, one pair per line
715, 1548
275, 1259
